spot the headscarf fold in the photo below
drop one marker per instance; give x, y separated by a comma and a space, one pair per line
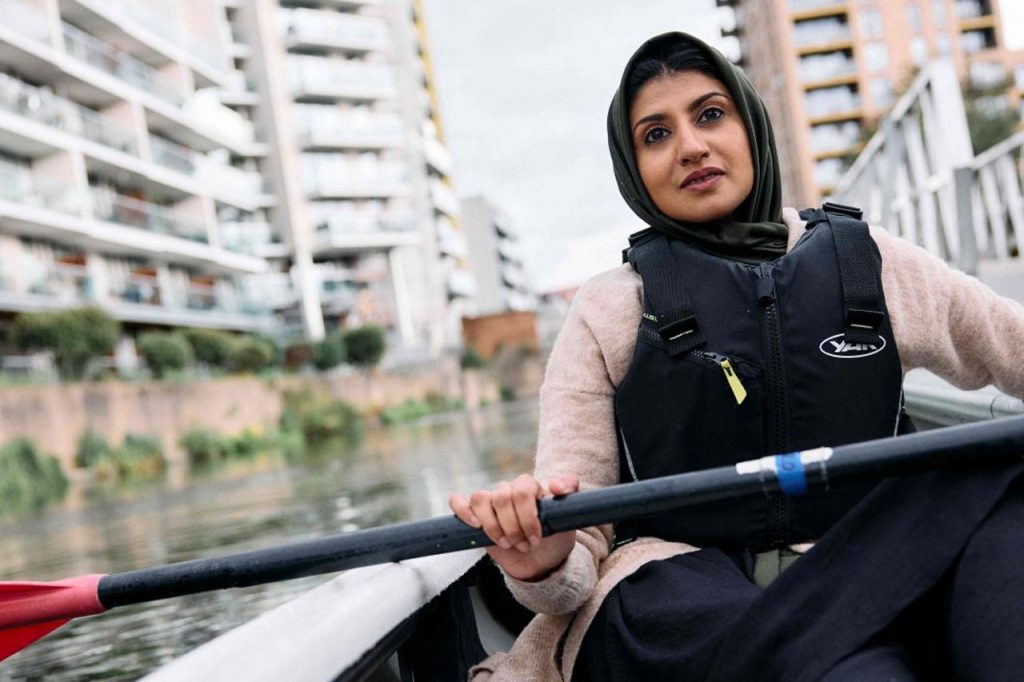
755, 232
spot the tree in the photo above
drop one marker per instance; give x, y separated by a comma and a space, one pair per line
211, 347
76, 337
165, 352
365, 346
250, 354
329, 353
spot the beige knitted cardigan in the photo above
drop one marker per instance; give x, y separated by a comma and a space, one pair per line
942, 320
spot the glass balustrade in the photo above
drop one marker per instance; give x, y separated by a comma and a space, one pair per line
124, 210
834, 137
118, 63
820, 67
820, 32
831, 101
172, 155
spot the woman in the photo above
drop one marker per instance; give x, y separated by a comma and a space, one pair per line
758, 333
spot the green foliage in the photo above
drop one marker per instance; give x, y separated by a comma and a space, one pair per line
410, 409
251, 354
471, 359
204, 446
211, 347
28, 479
329, 353
507, 393
92, 447
75, 336
319, 419
365, 346
165, 352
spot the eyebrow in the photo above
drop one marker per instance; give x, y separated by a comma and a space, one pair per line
693, 106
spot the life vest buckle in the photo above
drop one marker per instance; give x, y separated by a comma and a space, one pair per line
852, 211
678, 328
864, 319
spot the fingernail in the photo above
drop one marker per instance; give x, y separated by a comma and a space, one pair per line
504, 543
535, 540
523, 546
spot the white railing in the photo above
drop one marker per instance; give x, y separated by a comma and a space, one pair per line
914, 173
124, 210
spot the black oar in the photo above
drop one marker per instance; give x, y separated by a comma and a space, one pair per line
29, 610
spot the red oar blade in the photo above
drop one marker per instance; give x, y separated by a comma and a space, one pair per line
30, 610
13, 640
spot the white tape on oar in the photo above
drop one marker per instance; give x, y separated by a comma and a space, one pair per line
788, 469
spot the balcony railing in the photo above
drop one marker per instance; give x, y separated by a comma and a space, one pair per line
159, 23
248, 237
54, 196
316, 29
315, 78
141, 289
42, 106
119, 64
820, 32
969, 9
125, 210
834, 137
807, 5
825, 67
830, 102
171, 155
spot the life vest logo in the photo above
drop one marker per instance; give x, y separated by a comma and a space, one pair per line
838, 347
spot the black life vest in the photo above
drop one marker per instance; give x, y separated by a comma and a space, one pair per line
735, 362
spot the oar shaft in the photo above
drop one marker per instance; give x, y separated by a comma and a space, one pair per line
789, 474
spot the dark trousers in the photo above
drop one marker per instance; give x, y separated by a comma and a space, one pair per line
700, 616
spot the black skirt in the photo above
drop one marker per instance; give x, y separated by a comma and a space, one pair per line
871, 600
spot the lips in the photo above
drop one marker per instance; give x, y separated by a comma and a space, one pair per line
700, 175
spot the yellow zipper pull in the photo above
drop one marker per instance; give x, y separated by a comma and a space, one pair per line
734, 381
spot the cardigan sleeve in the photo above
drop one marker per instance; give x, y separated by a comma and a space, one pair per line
577, 433
950, 323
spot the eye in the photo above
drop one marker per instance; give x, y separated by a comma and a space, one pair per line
711, 114
655, 134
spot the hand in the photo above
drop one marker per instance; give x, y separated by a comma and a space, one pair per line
508, 514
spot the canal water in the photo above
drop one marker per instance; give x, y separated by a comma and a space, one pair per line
395, 474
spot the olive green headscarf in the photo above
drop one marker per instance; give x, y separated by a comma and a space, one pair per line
755, 233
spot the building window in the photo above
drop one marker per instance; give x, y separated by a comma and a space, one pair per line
944, 45
871, 24
876, 56
827, 172
914, 16
986, 75
881, 92
939, 13
919, 50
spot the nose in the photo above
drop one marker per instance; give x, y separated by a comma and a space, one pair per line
690, 146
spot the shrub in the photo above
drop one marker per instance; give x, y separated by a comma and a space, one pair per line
75, 336
140, 455
165, 352
247, 444
250, 354
507, 393
211, 347
28, 479
203, 446
92, 447
297, 355
291, 444
365, 346
471, 359
406, 411
318, 419
329, 353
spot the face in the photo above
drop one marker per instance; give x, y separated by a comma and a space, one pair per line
691, 147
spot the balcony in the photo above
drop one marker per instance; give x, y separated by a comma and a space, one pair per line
254, 238
341, 234
129, 211
443, 198
313, 31
331, 176
27, 18
119, 64
807, 6
835, 137
340, 132
972, 9
171, 155
830, 103
49, 195
245, 187
46, 108
339, 4
820, 35
158, 22
824, 68
324, 82
460, 283
437, 155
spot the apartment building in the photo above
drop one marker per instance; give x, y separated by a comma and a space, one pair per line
828, 69
366, 229
252, 165
495, 259
117, 185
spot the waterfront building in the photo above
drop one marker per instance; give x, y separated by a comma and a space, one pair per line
251, 165
829, 69
496, 260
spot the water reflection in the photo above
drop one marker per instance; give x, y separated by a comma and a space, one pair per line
401, 473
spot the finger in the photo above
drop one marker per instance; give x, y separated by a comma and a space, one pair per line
460, 505
482, 505
564, 484
505, 508
525, 491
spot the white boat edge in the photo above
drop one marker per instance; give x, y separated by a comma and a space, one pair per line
324, 631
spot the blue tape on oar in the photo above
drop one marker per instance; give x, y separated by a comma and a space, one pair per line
790, 472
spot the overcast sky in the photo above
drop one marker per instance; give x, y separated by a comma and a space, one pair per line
524, 87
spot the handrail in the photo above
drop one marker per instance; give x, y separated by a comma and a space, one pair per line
933, 400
